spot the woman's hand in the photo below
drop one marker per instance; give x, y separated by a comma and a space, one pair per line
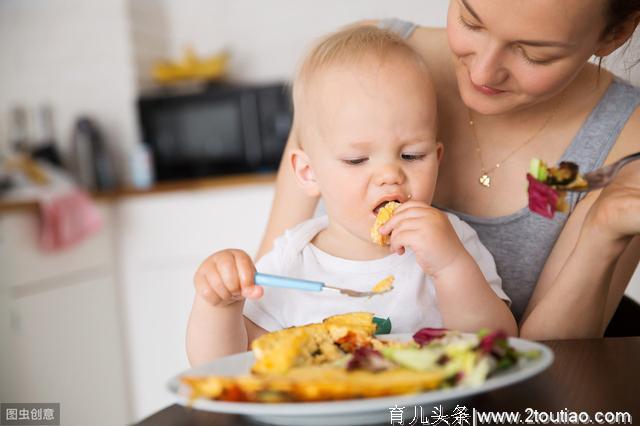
615, 215
583, 279
428, 232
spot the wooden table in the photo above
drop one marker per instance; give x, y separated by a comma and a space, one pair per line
596, 375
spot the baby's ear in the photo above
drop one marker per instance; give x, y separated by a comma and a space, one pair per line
304, 173
440, 150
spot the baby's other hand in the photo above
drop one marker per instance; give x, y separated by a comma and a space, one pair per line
226, 277
429, 234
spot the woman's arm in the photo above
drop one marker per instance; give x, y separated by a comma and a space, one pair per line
593, 259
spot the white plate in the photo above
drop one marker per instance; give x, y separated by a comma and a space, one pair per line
352, 412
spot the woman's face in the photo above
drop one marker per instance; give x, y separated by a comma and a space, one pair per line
512, 54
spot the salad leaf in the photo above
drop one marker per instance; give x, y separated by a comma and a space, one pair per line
427, 334
491, 341
366, 358
497, 345
543, 199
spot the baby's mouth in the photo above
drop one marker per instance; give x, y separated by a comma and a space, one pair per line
381, 205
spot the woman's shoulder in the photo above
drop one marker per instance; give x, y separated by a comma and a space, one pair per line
430, 41
624, 101
433, 46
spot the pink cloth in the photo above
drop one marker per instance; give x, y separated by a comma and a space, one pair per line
66, 219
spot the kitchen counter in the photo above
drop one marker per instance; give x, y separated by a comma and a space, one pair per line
159, 187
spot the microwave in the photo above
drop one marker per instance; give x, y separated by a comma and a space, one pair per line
225, 129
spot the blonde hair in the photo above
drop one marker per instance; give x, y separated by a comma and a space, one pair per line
351, 46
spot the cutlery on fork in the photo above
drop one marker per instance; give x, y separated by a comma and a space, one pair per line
601, 177
299, 284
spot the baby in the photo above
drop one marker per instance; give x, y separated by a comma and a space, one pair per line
365, 121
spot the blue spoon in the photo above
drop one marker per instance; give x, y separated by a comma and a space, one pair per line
268, 280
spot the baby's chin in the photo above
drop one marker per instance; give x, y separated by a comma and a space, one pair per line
354, 244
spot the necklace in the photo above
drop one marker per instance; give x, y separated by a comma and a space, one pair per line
485, 173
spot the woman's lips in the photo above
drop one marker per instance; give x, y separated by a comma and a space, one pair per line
486, 90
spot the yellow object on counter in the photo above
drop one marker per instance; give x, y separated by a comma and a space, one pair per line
29, 167
191, 67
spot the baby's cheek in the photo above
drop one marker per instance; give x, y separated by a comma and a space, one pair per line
424, 187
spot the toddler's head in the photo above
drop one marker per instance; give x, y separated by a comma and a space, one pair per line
366, 123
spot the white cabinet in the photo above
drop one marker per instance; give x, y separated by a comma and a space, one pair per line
162, 240
63, 347
100, 327
29, 264
60, 324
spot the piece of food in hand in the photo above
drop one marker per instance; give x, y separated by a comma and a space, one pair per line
384, 285
436, 358
548, 186
384, 214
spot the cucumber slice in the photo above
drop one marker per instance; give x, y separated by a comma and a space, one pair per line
538, 169
413, 358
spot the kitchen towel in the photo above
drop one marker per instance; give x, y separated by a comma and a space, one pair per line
66, 219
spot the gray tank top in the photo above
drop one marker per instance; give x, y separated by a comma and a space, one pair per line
521, 242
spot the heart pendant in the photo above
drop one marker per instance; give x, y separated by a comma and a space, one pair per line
485, 180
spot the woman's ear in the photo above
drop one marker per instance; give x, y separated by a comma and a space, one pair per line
618, 36
304, 173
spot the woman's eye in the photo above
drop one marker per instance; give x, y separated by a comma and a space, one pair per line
355, 161
467, 25
413, 157
532, 61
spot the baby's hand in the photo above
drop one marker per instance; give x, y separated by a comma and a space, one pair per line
428, 232
226, 277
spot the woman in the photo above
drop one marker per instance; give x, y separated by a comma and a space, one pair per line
515, 83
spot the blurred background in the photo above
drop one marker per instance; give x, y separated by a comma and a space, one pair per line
137, 137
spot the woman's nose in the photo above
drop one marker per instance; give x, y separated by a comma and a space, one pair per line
487, 67
390, 174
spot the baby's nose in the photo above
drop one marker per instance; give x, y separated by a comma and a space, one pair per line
390, 174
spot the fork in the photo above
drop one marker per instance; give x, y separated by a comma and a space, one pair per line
601, 177
299, 284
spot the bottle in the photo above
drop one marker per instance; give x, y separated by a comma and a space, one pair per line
141, 167
44, 141
19, 138
91, 162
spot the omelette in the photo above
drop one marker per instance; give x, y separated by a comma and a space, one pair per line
340, 358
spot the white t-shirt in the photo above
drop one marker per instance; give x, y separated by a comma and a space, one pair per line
411, 304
